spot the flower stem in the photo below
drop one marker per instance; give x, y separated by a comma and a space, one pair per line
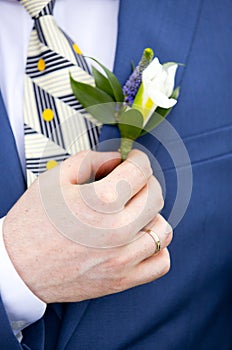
125, 147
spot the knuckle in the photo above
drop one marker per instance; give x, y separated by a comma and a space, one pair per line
81, 155
160, 202
146, 165
157, 191
169, 237
72, 160
164, 227
168, 231
115, 265
116, 272
166, 263
143, 161
160, 198
107, 195
161, 268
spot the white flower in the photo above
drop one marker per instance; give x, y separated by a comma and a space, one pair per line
156, 88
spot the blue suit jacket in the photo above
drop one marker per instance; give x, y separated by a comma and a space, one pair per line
190, 308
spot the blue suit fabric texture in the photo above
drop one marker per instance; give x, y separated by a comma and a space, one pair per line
190, 307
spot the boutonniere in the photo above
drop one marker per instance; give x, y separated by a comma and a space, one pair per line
137, 107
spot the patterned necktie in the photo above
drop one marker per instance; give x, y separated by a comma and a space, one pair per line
55, 124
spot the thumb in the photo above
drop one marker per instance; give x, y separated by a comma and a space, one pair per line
88, 166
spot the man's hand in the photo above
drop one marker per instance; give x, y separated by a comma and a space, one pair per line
57, 233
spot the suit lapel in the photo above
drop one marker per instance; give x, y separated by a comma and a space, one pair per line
58, 309
72, 317
152, 23
12, 183
142, 24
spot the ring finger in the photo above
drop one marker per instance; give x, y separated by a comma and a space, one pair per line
145, 246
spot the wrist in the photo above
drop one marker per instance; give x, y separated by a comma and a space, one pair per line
22, 307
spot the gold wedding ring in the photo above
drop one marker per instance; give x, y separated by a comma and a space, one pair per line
155, 238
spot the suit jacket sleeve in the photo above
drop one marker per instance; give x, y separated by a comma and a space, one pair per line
7, 338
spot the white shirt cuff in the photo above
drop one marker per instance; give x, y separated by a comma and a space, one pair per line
22, 306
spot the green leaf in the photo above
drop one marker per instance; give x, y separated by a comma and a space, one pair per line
88, 95
130, 124
102, 82
153, 122
105, 113
160, 114
113, 81
99, 104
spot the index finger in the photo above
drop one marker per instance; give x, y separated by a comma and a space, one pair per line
129, 177
88, 165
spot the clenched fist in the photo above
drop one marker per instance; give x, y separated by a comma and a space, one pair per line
79, 231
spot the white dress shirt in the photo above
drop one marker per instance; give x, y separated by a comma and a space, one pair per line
93, 25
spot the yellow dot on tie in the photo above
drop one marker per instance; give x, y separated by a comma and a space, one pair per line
76, 49
48, 115
51, 164
41, 65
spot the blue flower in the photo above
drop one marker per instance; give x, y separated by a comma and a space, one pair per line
132, 85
